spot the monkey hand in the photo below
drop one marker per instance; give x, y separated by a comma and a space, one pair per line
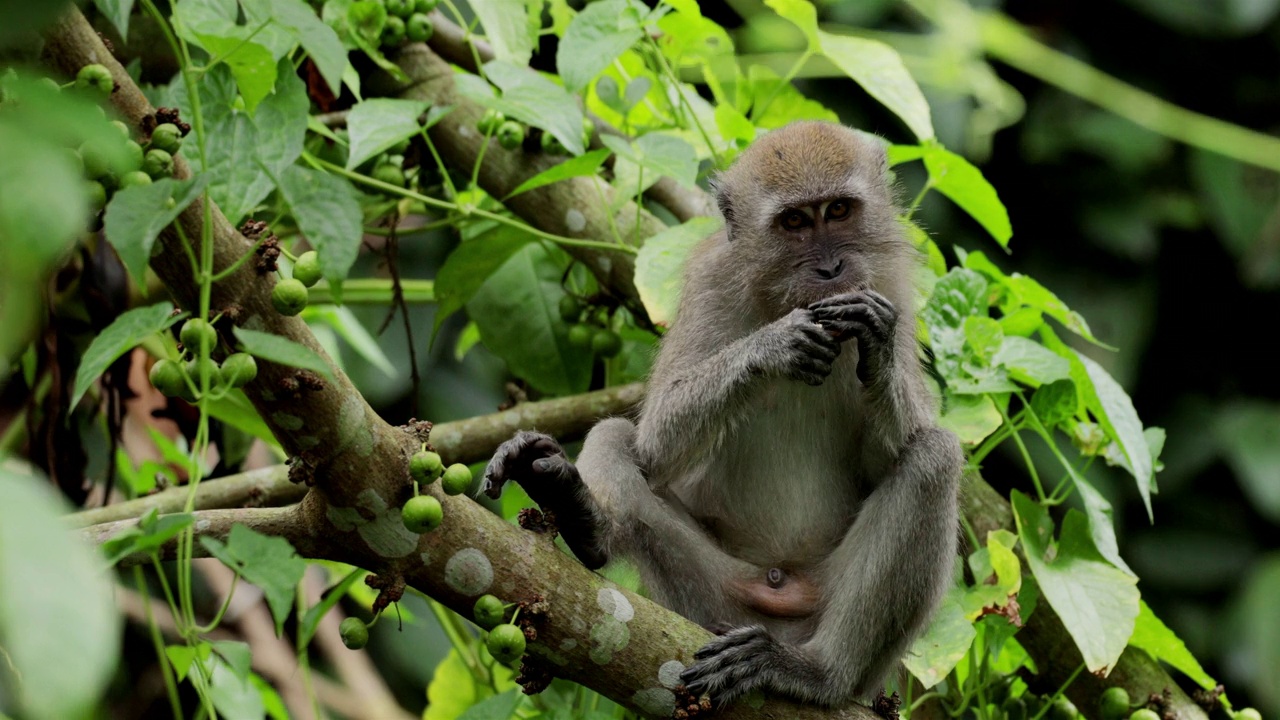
795, 346
741, 660
868, 316
538, 463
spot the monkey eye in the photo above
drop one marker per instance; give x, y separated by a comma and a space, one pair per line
794, 220
838, 209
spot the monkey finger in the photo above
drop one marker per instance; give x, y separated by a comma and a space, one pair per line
849, 298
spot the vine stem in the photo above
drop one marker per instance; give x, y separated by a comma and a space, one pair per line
1022, 448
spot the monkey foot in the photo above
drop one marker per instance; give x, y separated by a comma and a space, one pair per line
886, 706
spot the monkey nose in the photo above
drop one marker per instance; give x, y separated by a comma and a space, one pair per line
830, 272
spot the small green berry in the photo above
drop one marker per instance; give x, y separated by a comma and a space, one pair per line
197, 336
97, 194
158, 164
97, 77
421, 514
1063, 709
389, 174
510, 135
166, 137
419, 27
506, 643
490, 121
425, 466
124, 129
402, 8
1248, 714
393, 32
166, 376
456, 480
551, 145
606, 343
134, 178
215, 373
489, 611
355, 634
580, 336
307, 268
239, 369
289, 297
570, 309
1113, 704
133, 158
94, 157
425, 6
1146, 714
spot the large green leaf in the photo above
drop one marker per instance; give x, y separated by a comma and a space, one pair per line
583, 165
532, 99
959, 180
1114, 410
944, 643
136, 216
660, 265
656, 155
498, 707
281, 350
117, 11
1249, 434
59, 623
266, 561
957, 296
517, 311
318, 39
121, 336
512, 31
377, 124
327, 209
971, 417
1152, 635
1031, 363
471, 264
251, 64
1097, 603
595, 38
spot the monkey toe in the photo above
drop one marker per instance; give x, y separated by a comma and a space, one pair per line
731, 665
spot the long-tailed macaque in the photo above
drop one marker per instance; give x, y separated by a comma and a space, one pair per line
785, 484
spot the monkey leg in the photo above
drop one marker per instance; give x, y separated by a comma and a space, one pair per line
880, 586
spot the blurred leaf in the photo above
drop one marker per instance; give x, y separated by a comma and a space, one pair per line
221, 18
943, 645
1097, 603
237, 655
660, 265
963, 183
22, 17
510, 28
376, 125
282, 350
787, 104
137, 215
233, 696
586, 164
59, 624
470, 265
318, 39
346, 324
327, 209
1152, 635
467, 339
117, 11
498, 707
595, 38
122, 335
453, 690
272, 703
149, 535
1248, 432
971, 417
316, 613
266, 561
235, 410
182, 656
1255, 652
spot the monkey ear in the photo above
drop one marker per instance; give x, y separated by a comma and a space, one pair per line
725, 204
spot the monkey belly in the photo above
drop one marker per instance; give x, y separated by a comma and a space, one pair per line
778, 594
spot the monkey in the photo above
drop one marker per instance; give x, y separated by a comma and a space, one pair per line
785, 484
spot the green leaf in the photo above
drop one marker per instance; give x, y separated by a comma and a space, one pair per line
533, 100
1031, 363
959, 180
971, 417
802, 14
878, 68
510, 28
517, 311
149, 535
137, 215
594, 39
657, 155
221, 18
237, 655
498, 707
1102, 526
59, 623
233, 696
117, 11
307, 629
22, 18
1114, 411
786, 103
583, 165
348, 326
376, 125
182, 656
944, 643
453, 690
318, 39
984, 336
272, 703
1249, 434
1055, 403
1032, 294
282, 350
1097, 603
328, 212
251, 64
470, 265
121, 336
958, 295
1152, 635
1255, 627
235, 410
660, 265
266, 561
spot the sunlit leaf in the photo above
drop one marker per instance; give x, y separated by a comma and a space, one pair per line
266, 561
281, 350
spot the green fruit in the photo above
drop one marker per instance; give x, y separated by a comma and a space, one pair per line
456, 480
355, 634
239, 369
50, 84
606, 343
166, 137
134, 178
402, 8
490, 121
166, 376
1015, 709
198, 336
400, 148
421, 514
510, 135
506, 643
193, 370
488, 611
580, 336
306, 269
94, 157
133, 158
392, 32
425, 466
367, 18
570, 309
389, 174
1147, 714
1113, 704
97, 77
289, 297
158, 164
551, 145
97, 195
420, 28
124, 129
425, 6
1248, 714
1063, 709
